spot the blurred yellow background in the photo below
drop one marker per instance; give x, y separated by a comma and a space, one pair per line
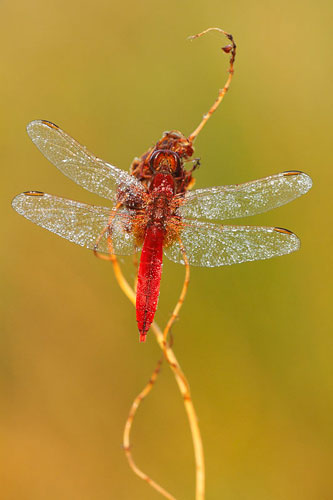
255, 340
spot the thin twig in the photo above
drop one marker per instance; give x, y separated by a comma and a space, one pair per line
127, 432
146, 390
184, 390
181, 299
228, 49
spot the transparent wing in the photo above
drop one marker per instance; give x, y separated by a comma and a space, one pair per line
241, 200
77, 162
211, 245
77, 222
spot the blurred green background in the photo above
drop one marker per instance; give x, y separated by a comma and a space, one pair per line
254, 340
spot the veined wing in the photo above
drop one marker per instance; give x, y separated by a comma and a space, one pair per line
77, 222
211, 245
77, 162
241, 200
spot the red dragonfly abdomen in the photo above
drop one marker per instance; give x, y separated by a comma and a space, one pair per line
161, 191
149, 278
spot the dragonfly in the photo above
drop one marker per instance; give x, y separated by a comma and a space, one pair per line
153, 208
158, 214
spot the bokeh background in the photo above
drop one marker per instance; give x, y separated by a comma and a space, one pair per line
254, 340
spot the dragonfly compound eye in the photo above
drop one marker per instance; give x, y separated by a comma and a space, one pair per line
165, 161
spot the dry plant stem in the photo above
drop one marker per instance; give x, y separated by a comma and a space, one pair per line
229, 48
136, 265
146, 390
162, 337
181, 299
127, 432
184, 390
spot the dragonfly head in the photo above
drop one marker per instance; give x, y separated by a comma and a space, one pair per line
168, 155
165, 162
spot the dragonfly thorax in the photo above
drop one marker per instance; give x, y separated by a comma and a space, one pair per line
161, 190
162, 184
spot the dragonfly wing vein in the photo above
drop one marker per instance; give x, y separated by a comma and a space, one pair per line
77, 222
211, 245
242, 200
77, 163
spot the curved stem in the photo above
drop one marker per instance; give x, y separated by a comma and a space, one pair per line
184, 390
181, 299
228, 48
127, 431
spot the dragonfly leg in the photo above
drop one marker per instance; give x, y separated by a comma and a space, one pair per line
196, 164
231, 48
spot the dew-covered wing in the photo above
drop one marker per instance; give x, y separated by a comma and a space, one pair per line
241, 200
211, 245
77, 162
77, 222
